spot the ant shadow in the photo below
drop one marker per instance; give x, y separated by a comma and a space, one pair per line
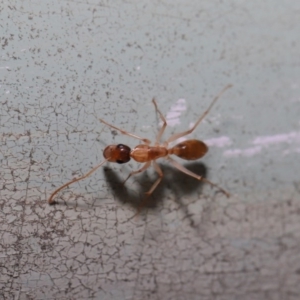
173, 180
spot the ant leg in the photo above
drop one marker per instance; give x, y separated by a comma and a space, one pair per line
159, 179
146, 141
154, 186
142, 169
50, 201
200, 178
162, 129
181, 134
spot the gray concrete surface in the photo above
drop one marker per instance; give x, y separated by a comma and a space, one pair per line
65, 63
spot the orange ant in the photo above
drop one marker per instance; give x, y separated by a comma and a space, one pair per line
144, 153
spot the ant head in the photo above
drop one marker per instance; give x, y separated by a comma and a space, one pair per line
117, 153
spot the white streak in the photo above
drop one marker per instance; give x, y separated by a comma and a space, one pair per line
270, 141
173, 116
277, 139
242, 152
220, 142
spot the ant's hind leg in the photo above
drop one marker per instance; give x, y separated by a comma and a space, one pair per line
200, 178
181, 134
146, 141
142, 169
162, 129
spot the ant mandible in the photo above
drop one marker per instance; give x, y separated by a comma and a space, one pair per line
144, 153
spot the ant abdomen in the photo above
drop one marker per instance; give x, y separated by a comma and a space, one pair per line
189, 150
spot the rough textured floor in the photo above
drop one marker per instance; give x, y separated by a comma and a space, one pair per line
66, 63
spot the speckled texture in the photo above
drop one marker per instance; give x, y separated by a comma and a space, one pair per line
66, 63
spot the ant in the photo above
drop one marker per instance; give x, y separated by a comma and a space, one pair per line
144, 153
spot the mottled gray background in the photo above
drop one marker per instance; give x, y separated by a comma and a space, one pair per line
65, 63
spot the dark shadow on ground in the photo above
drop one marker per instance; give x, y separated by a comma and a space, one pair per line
174, 181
